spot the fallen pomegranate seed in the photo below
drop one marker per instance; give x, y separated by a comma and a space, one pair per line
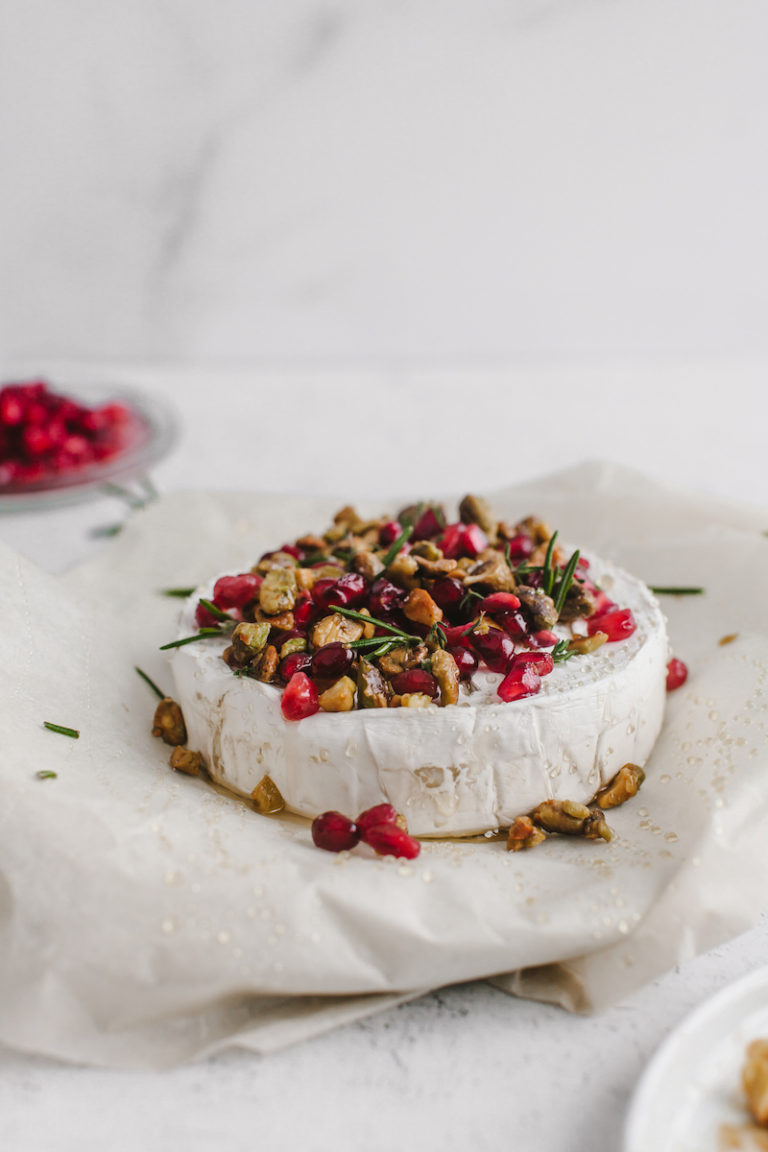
518, 683
334, 832
300, 698
677, 674
332, 661
466, 661
416, 680
290, 665
618, 624
498, 602
494, 647
603, 602
379, 814
391, 840
236, 591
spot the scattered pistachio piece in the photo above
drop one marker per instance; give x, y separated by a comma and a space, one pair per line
267, 797
186, 761
168, 723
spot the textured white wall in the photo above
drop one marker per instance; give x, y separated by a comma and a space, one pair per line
437, 181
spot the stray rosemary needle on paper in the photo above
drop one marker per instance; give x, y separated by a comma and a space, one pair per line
73, 732
160, 695
46, 774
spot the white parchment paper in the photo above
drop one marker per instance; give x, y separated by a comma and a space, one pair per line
146, 919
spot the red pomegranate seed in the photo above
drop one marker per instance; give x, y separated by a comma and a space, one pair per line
11, 408
305, 610
513, 623
677, 674
494, 647
236, 591
466, 661
296, 662
384, 598
463, 540
416, 680
430, 523
320, 588
390, 532
292, 550
456, 636
204, 618
498, 602
544, 639
35, 440
475, 540
334, 832
299, 698
518, 683
379, 814
603, 602
618, 624
520, 547
332, 661
448, 593
542, 662
391, 840
349, 591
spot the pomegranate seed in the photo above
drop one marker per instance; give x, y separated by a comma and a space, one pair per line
513, 623
466, 661
498, 602
391, 840
305, 610
384, 598
296, 662
236, 591
582, 562
519, 683
603, 602
390, 532
458, 636
348, 591
299, 698
677, 674
416, 680
475, 540
11, 409
332, 661
541, 662
448, 593
292, 550
379, 814
618, 624
463, 540
494, 647
520, 547
334, 832
204, 618
35, 439
430, 523
544, 638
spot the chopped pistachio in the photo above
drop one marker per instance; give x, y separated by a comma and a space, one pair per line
622, 787
186, 761
415, 700
267, 797
278, 591
335, 628
371, 686
445, 670
169, 723
248, 639
340, 697
420, 607
583, 645
524, 834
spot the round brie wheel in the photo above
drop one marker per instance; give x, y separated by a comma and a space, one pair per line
452, 771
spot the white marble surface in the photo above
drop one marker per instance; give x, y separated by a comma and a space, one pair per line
467, 1067
362, 181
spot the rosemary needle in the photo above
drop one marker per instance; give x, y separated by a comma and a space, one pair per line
73, 732
153, 686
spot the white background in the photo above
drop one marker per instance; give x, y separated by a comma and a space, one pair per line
485, 239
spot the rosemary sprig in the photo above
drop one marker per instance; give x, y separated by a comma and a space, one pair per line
216, 611
565, 582
671, 590
394, 548
46, 774
151, 683
548, 568
439, 514
203, 634
468, 597
104, 531
409, 521
179, 593
73, 732
378, 623
436, 635
508, 557
562, 652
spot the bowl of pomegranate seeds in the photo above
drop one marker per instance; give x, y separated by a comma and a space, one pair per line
60, 445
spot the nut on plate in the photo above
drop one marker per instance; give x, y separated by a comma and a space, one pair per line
583, 645
621, 787
446, 671
186, 761
267, 797
335, 629
168, 723
571, 819
278, 591
754, 1077
421, 608
340, 697
524, 834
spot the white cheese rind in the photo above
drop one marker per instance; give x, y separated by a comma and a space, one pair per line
453, 771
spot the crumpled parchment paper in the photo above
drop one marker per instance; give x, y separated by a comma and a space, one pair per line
147, 919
